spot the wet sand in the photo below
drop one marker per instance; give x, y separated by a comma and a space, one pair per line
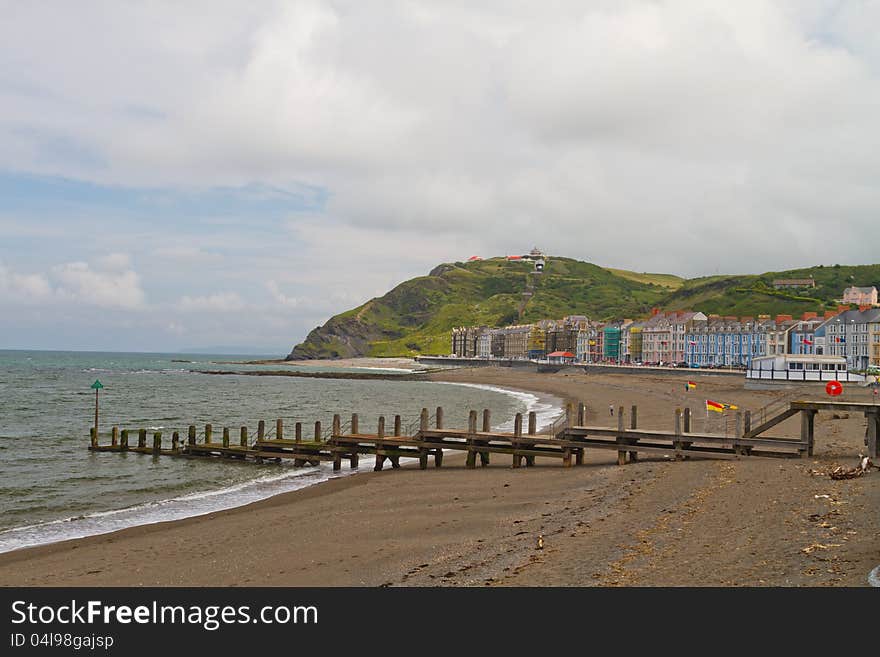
656, 522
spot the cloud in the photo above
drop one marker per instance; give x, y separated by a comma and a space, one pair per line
28, 288
369, 141
108, 286
219, 302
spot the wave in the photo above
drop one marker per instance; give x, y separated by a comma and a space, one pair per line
235, 495
547, 408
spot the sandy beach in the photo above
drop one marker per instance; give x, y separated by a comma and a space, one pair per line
754, 522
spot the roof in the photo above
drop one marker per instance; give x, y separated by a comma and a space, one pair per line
794, 281
856, 317
560, 354
862, 290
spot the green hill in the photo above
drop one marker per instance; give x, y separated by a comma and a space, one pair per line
416, 317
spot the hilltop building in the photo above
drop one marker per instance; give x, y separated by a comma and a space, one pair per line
860, 296
783, 283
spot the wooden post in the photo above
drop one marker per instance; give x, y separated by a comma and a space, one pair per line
123, 444
807, 429
582, 414
487, 427
209, 431
439, 417
687, 420
621, 453
380, 433
517, 432
633, 421
114, 436
737, 433
113, 439
261, 431
873, 419
191, 435
634, 417
157, 443
747, 426
354, 424
318, 431
142, 438
533, 429
279, 429
423, 427
175, 442
93, 437
337, 455
298, 432
676, 442
569, 415
471, 461
396, 425
225, 437
243, 437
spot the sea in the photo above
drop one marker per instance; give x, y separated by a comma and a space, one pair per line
52, 488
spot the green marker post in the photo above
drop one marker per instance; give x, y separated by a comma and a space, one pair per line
97, 385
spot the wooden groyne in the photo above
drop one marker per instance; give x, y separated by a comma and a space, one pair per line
427, 438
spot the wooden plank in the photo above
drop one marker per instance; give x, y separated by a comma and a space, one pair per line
855, 407
772, 422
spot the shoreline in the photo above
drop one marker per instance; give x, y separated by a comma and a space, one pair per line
760, 522
262, 488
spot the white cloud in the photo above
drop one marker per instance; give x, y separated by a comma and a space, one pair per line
107, 288
28, 288
184, 254
219, 302
688, 136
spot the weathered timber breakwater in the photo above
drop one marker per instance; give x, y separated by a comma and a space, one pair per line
355, 376
566, 440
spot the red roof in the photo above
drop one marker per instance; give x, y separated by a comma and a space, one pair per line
561, 354
472, 258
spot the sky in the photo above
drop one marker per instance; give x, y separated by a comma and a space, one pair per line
200, 174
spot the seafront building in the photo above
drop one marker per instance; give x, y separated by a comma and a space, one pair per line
684, 337
855, 335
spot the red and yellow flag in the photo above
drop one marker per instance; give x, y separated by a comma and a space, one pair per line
714, 406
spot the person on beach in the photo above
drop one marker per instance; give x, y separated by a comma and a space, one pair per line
611, 409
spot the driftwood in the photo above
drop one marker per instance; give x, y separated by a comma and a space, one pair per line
842, 472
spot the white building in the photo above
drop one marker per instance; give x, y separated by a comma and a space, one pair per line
801, 367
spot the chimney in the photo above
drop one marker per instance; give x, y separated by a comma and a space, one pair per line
783, 318
810, 315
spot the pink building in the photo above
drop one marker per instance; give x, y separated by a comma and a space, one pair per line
861, 296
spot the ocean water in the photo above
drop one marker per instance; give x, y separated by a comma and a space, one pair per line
52, 488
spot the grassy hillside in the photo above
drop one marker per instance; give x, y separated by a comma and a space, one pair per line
669, 281
416, 317
754, 295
